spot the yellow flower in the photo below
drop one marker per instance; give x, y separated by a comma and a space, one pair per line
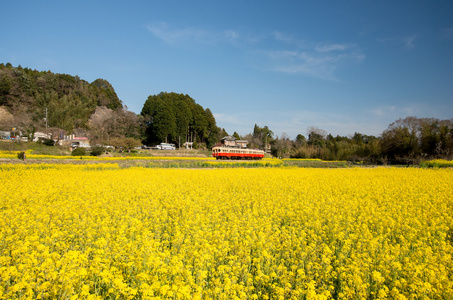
100, 231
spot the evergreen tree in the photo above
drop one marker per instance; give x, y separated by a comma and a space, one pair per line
212, 129
177, 118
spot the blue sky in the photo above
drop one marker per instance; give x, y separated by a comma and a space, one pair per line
341, 66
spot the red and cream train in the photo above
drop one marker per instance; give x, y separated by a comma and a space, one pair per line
220, 152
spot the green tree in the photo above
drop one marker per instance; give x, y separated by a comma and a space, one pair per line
212, 129
300, 140
186, 119
317, 137
30, 132
106, 94
261, 137
429, 136
78, 152
161, 125
97, 150
5, 87
183, 116
164, 122
125, 143
281, 146
399, 142
199, 123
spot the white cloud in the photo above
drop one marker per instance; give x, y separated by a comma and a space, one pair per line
395, 112
294, 56
175, 36
382, 111
192, 35
231, 35
332, 47
387, 114
311, 59
313, 62
303, 63
228, 119
409, 41
279, 36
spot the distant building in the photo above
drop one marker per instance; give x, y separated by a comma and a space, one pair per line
6, 135
14, 133
229, 141
41, 135
75, 141
242, 143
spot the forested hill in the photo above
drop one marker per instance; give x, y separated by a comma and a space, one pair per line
177, 118
73, 103
70, 101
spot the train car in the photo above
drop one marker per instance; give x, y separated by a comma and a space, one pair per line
236, 153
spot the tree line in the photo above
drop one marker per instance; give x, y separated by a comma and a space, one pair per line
94, 110
406, 141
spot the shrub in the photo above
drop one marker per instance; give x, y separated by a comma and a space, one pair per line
48, 142
21, 155
78, 152
97, 150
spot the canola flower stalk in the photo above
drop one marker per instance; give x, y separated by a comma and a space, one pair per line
437, 163
100, 232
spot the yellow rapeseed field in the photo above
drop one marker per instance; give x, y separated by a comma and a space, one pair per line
104, 232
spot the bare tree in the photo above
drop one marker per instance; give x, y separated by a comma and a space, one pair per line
106, 124
99, 124
281, 146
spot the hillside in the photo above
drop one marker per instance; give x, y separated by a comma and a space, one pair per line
70, 101
74, 105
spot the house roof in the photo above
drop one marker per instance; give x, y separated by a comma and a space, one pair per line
228, 138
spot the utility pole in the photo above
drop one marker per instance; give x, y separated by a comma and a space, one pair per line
46, 122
